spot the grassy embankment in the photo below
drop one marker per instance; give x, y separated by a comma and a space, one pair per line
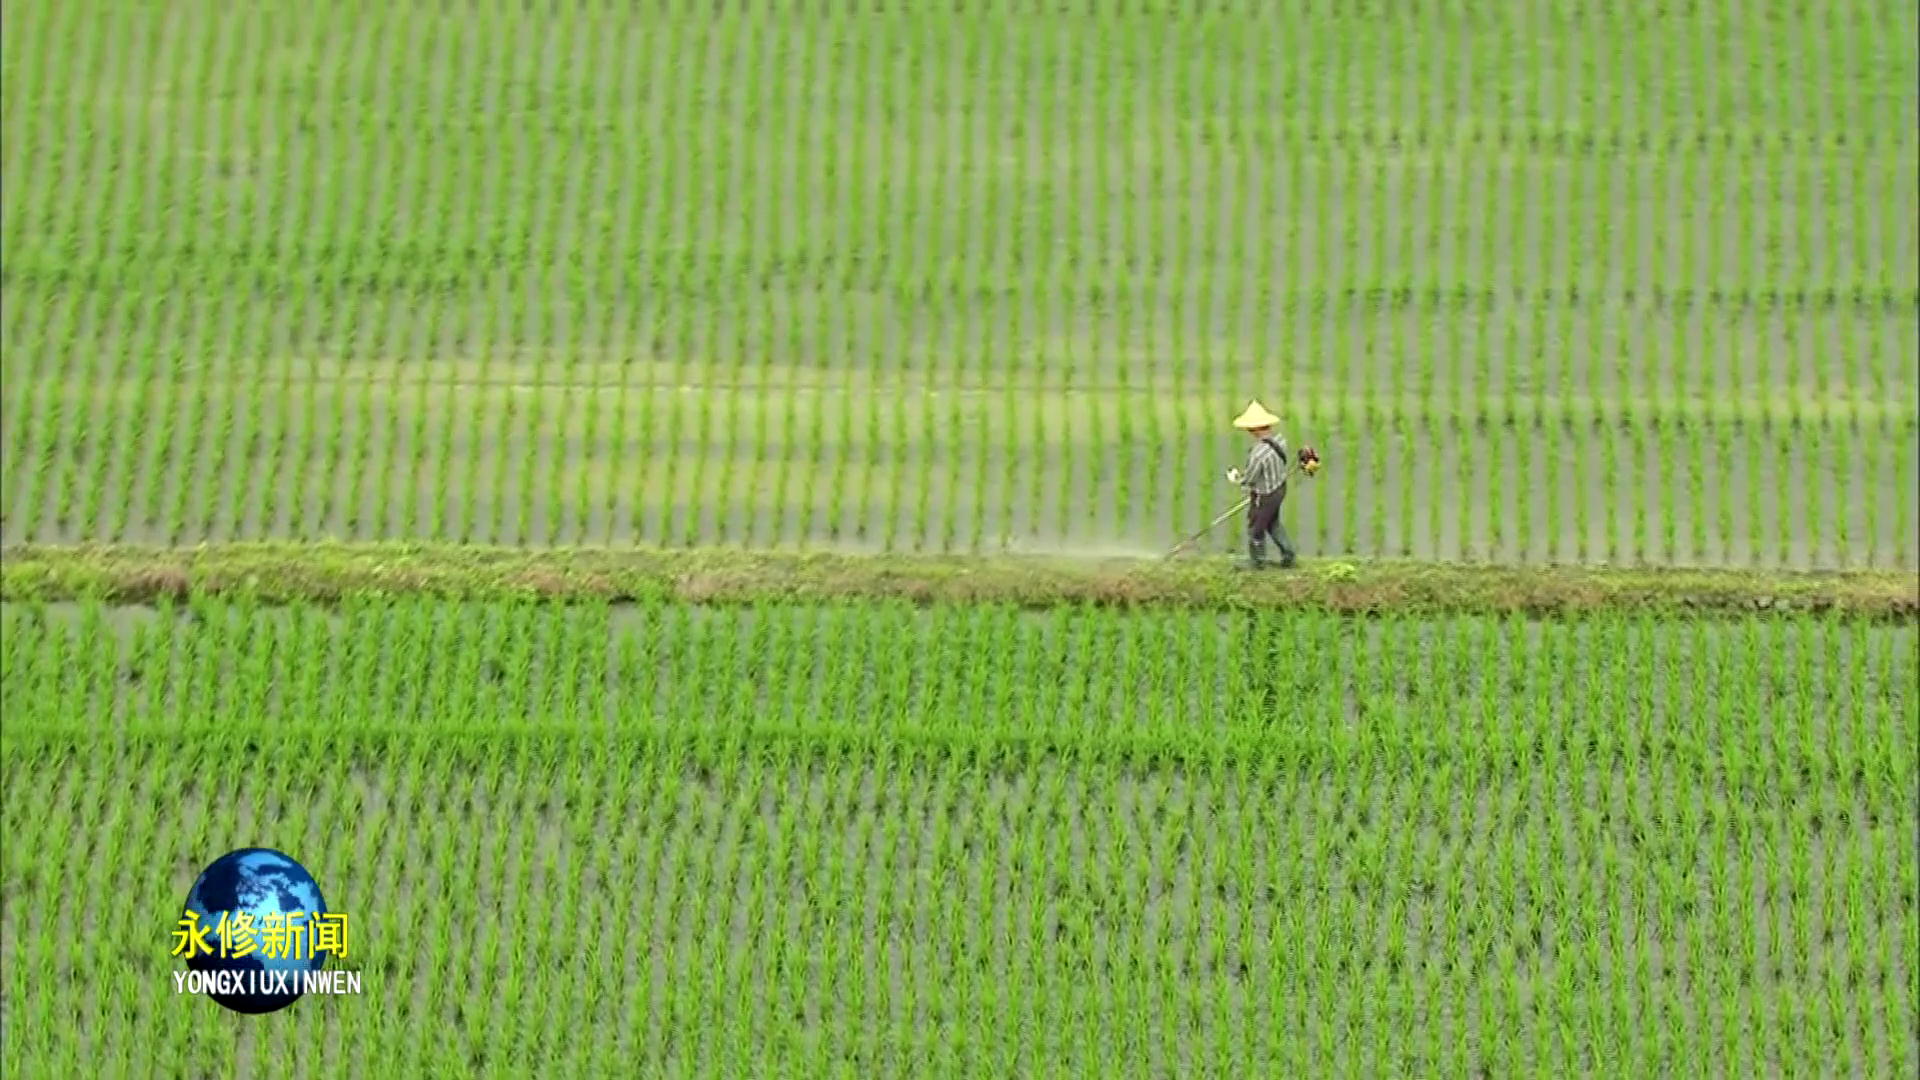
329, 572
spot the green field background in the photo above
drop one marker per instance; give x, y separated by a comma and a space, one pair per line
872, 840
1547, 282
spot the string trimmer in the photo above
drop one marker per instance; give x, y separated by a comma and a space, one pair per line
1306, 462
1211, 525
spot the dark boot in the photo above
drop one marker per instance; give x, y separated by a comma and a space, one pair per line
1256, 556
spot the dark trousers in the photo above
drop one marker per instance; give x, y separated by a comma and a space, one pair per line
1263, 521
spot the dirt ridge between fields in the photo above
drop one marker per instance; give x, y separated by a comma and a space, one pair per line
327, 573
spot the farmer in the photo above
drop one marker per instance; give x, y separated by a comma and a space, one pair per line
1265, 481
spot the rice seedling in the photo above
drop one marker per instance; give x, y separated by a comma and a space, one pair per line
882, 837
770, 275
337, 277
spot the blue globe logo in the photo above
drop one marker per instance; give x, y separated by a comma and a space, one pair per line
275, 902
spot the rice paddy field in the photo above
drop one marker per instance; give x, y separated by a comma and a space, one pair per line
883, 841
1580, 287
1555, 282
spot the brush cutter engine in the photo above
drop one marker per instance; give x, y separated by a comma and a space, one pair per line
1308, 460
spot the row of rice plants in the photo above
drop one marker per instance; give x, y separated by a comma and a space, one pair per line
874, 670
1813, 496
886, 841
327, 272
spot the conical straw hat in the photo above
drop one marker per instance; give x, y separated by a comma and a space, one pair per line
1256, 416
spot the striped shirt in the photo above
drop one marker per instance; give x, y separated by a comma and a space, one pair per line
1266, 465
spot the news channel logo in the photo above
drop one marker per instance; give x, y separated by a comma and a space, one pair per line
257, 935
